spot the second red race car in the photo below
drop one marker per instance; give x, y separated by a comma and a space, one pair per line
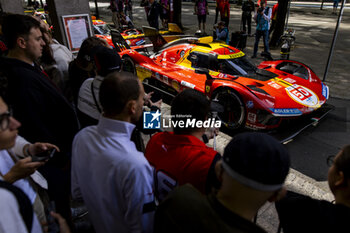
132, 36
253, 97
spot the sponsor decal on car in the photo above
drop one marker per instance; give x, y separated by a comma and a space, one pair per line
274, 85
140, 42
286, 111
251, 117
187, 84
165, 79
325, 91
250, 104
290, 80
157, 76
221, 75
303, 96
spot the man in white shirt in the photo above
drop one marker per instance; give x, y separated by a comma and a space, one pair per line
113, 178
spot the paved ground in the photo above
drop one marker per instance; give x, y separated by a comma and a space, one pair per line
314, 33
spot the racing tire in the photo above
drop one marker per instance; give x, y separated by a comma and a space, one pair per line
128, 65
234, 115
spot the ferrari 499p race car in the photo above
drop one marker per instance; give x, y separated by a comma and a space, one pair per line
254, 97
132, 36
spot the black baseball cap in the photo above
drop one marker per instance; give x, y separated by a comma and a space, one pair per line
257, 160
106, 60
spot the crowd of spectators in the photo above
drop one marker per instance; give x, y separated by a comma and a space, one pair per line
88, 112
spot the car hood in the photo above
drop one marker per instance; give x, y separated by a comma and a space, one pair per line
286, 93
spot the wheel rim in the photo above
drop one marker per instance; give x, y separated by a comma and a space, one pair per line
233, 115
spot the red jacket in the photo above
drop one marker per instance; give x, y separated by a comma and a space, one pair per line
225, 9
184, 158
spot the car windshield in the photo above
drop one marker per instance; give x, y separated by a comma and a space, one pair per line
103, 29
241, 66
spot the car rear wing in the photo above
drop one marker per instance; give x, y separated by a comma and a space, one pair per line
174, 28
155, 37
118, 41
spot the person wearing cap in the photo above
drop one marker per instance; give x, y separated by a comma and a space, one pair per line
300, 213
182, 155
252, 172
106, 61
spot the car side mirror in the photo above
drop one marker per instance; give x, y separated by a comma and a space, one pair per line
203, 71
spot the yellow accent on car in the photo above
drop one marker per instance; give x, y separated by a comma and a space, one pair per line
205, 40
143, 73
172, 27
282, 82
231, 56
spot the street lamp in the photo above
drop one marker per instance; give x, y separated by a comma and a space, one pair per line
334, 39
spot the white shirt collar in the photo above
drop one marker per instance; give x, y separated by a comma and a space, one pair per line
111, 127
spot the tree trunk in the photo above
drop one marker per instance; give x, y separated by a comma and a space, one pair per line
177, 12
280, 22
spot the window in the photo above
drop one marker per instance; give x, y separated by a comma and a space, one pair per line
199, 60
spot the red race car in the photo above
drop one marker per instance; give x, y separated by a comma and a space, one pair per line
253, 97
133, 37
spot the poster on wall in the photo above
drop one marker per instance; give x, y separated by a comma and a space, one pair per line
77, 28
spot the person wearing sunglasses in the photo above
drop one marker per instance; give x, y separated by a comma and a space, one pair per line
299, 213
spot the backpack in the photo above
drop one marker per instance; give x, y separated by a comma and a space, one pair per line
25, 206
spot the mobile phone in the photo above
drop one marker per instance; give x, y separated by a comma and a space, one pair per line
53, 226
45, 155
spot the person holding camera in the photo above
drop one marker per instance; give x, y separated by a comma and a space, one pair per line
221, 31
262, 18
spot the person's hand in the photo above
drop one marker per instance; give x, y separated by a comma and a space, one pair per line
147, 98
158, 104
39, 147
23, 168
64, 228
210, 132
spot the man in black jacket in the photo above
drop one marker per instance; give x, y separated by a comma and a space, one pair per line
247, 8
300, 213
153, 14
37, 103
